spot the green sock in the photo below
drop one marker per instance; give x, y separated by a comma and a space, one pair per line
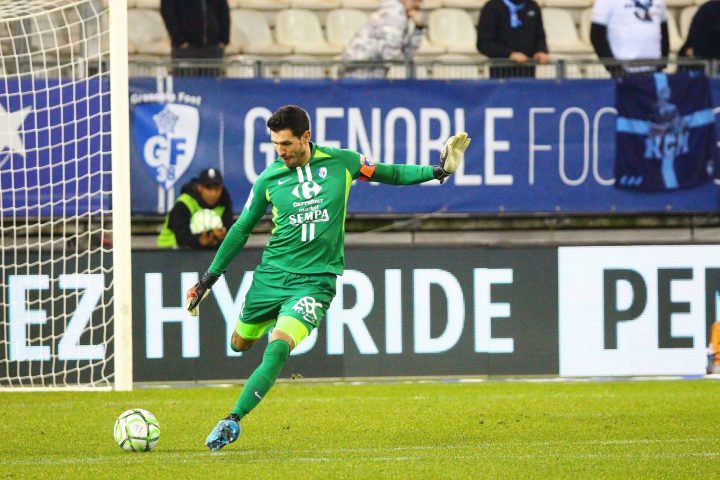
263, 378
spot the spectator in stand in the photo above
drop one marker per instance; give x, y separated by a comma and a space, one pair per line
703, 39
632, 30
392, 33
512, 30
198, 196
199, 30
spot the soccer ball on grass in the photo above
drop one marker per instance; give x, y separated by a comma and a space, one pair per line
136, 430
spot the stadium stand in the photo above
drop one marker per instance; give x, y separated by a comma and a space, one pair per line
676, 40
301, 66
301, 29
584, 27
321, 28
453, 29
250, 33
145, 4
562, 35
146, 33
569, 4
470, 5
361, 4
315, 4
270, 39
428, 48
342, 24
686, 16
431, 4
452, 66
678, 3
56, 29
260, 4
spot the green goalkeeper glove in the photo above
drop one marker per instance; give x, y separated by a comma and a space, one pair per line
198, 292
451, 155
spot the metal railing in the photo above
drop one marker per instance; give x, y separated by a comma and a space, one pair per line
572, 68
421, 68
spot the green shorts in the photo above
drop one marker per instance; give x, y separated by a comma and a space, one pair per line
275, 294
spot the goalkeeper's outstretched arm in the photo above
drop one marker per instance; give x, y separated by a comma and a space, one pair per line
230, 247
450, 159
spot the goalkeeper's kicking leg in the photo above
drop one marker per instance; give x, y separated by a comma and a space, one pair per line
293, 306
260, 382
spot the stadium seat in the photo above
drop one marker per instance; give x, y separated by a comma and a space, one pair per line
260, 4
343, 23
431, 4
361, 4
686, 16
453, 29
55, 30
562, 36
571, 4
678, 3
397, 72
585, 24
300, 29
152, 4
676, 40
146, 33
250, 33
301, 66
315, 4
465, 4
429, 49
453, 66
243, 66
6, 42
586, 67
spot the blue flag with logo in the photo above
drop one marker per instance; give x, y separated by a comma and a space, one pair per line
665, 132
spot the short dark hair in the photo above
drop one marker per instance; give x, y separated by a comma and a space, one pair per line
292, 117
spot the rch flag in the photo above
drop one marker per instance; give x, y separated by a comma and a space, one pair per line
665, 132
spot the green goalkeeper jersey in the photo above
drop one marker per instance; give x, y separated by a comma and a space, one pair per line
308, 206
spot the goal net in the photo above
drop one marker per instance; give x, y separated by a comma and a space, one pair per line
64, 219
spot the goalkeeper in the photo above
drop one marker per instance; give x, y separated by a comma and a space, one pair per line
293, 286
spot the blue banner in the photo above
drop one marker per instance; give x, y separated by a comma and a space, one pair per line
54, 147
538, 146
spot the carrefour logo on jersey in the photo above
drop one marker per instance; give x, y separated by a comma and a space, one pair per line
166, 126
307, 190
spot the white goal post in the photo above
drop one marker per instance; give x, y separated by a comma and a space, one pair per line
65, 269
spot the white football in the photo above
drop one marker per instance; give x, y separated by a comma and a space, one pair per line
136, 430
204, 221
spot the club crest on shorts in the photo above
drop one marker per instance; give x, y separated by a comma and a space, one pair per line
307, 306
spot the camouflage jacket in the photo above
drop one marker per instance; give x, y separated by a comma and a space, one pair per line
389, 34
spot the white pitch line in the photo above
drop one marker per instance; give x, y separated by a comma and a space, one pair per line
376, 454
184, 457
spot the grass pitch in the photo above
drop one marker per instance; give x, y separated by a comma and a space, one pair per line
648, 429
